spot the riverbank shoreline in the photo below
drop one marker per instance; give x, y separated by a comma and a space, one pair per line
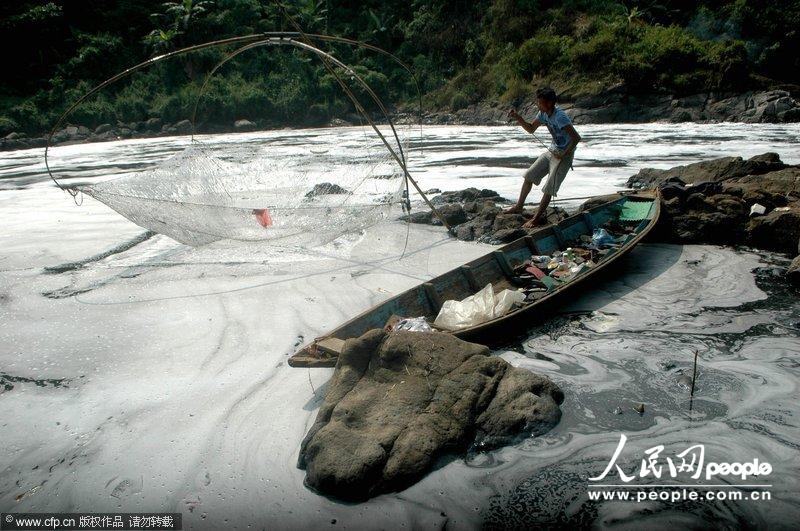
613, 106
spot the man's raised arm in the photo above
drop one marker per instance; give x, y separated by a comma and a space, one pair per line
529, 127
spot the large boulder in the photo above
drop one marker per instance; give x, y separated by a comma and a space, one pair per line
398, 401
784, 183
468, 194
721, 169
778, 230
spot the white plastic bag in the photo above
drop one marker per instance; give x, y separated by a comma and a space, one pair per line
414, 324
505, 300
476, 309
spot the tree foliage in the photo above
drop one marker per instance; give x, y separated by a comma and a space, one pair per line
461, 51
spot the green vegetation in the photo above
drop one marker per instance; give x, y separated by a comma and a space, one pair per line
462, 52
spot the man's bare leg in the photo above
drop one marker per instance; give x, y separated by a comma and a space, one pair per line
540, 212
523, 194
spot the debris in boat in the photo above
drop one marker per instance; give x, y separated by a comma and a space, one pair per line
476, 309
397, 402
602, 238
542, 273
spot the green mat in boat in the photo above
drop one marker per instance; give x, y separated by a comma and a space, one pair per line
635, 210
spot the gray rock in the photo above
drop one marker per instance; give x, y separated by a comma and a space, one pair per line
244, 125
60, 136
468, 194
711, 170
505, 222
465, 232
718, 213
13, 143
153, 124
102, 128
398, 402
184, 127
452, 213
326, 189
779, 185
776, 231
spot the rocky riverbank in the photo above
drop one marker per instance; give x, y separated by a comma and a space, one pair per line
478, 215
616, 106
727, 201
153, 127
613, 106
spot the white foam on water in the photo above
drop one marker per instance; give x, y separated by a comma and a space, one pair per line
156, 378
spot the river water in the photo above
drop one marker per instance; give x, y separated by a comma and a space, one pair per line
154, 379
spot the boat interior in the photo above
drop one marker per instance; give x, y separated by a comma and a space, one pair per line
503, 268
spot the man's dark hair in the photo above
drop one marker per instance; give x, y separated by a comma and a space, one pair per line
546, 93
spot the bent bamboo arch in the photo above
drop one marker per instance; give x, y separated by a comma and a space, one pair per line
270, 39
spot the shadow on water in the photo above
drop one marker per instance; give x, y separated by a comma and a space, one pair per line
643, 264
742, 400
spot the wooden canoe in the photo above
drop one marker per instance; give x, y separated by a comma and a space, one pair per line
499, 268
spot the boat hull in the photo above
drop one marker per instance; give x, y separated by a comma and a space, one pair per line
496, 268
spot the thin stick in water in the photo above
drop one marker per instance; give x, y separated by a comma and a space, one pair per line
311, 383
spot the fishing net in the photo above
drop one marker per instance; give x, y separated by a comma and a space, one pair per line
197, 198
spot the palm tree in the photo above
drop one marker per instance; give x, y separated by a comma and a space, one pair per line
175, 25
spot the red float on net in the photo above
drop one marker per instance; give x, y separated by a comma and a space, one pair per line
263, 217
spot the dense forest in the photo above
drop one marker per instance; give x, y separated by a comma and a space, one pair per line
461, 51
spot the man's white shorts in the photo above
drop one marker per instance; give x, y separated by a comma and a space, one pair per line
555, 169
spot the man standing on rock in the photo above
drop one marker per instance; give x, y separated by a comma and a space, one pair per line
556, 161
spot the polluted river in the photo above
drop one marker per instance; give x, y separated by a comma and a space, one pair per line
154, 377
